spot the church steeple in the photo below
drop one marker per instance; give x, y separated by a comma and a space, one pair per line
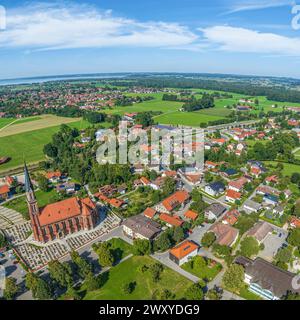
28, 184
32, 205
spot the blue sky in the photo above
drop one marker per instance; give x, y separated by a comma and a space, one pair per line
217, 36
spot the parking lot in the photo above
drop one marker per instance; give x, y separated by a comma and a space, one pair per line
272, 244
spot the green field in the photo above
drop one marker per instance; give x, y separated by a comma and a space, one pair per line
20, 204
5, 121
29, 145
288, 168
297, 154
129, 271
204, 272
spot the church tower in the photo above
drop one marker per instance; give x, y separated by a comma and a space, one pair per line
32, 206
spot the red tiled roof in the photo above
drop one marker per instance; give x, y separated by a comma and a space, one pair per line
145, 181
175, 200
4, 189
231, 217
174, 221
233, 194
191, 215
117, 203
184, 249
238, 184
51, 175
150, 213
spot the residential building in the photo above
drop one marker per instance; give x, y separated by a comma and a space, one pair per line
150, 213
191, 215
141, 227
225, 235
231, 217
4, 191
183, 252
214, 211
176, 200
232, 196
260, 231
215, 188
171, 221
267, 280
251, 206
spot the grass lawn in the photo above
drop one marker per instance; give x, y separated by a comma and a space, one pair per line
288, 168
297, 154
207, 273
5, 121
29, 145
120, 248
20, 204
128, 271
248, 295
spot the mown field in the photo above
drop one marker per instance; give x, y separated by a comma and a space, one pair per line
144, 285
29, 145
34, 123
288, 168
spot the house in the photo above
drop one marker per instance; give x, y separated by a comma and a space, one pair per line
141, 227
10, 180
265, 279
251, 206
225, 235
219, 142
171, 221
183, 252
150, 213
279, 209
171, 174
211, 165
238, 185
271, 199
116, 203
4, 191
214, 211
229, 172
231, 217
295, 222
267, 190
191, 215
215, 188
179, 198
54, 177
145, 181
260, 231
232, 196
272, 179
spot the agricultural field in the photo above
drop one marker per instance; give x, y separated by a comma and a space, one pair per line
34, 123
288, 168
144, 285
29, 144
5, 121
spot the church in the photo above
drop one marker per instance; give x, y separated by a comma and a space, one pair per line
59, 219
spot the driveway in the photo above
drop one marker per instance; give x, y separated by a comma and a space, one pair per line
272, 244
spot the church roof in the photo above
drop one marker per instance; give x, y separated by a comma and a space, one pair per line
64, 210
28, 184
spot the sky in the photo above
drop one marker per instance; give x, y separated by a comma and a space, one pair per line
251, 37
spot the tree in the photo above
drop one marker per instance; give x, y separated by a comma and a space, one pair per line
92, 283
214, 294
128, 288
83, 266
233, 278
194, 292
106, 258
249, 247
141, 247
40, 289
284, 255
72, 294
295, 178
208, 239
169, 186
155, 270
163, 294
178, 234
61, 273
42, 182
199, 262
222, 251
11, 288
294, 238
163, 242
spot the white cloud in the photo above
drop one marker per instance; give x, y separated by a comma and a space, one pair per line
50, 27
242, 40
250, 5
